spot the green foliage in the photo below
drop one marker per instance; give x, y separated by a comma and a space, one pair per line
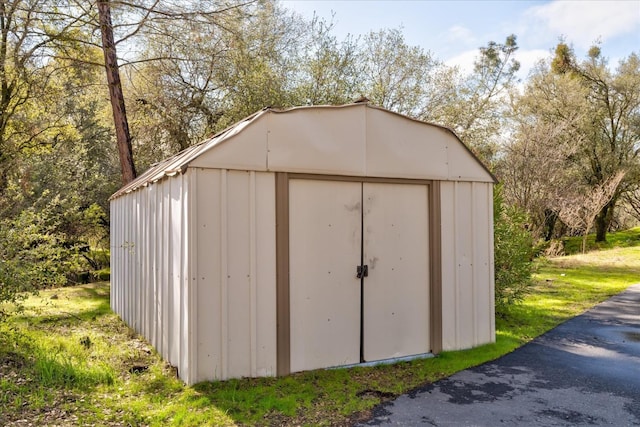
513, 254
44, 246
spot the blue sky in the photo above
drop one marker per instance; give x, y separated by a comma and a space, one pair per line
454, 30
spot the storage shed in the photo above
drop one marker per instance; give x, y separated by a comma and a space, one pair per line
307, 238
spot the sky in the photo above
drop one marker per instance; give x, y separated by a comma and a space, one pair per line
454, 30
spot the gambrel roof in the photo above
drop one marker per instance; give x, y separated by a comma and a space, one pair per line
348, 140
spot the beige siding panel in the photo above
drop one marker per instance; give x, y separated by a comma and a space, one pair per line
165, 269
449, 276
175, 257
152, 276
239, 242
325, 230
129, 248
140, 253
401, 148
185, 289
467, 265
114, 260
396, 250
144, 262
464, 258
265, 264
223, 274
125, 260
483, 246
236, 329
330, 141
246, 150
157, 249
193, 227
208, 304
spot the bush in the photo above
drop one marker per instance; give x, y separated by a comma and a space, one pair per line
513, 254
41, 246
103, 275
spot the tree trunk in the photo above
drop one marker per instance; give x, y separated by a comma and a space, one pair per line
550, 219
123, 137
603, 220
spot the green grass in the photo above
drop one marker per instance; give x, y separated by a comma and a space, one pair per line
621, 239
66, 359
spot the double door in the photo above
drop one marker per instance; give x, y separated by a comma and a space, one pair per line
358, 272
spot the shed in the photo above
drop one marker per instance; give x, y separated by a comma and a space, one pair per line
307, 238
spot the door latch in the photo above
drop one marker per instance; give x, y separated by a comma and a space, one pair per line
362, 271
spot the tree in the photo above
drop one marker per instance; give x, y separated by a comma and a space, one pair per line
138, 17
210, 76
394, 75
537, 166
476, 107
123, 137
328, 72
53, 212
579, 211
29, 29
612, 133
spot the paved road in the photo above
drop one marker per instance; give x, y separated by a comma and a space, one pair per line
584, 372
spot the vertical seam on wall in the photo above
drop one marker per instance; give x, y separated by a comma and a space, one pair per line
253, 271
224, 282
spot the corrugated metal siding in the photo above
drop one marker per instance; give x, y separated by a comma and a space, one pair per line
236, 304
467, 264
149, 250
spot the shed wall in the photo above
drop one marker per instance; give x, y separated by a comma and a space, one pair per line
467, 264
149, 253
236, 279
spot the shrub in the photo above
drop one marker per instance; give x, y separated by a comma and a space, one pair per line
513, 253
36, 249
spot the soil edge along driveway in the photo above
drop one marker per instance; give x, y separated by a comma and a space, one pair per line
584, 372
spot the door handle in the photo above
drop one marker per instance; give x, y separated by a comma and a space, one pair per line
362, 271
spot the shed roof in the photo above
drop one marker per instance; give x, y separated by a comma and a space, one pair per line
353, 140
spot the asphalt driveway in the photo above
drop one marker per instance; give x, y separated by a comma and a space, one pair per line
584, 372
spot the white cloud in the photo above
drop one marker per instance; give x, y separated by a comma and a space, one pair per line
464, 60
528, 59
584, 22
460, 34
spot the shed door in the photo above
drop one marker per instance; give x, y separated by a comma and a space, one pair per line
325, 247
396, 250
337, 319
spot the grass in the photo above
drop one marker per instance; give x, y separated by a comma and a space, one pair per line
621, 239
68, 360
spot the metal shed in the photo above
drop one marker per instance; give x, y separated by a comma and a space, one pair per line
307, 238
